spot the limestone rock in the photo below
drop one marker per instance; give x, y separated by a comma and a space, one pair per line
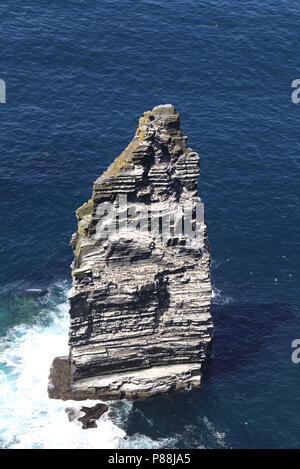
140, 300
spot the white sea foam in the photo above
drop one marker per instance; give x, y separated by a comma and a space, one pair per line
28, 418
219, 298
218, 436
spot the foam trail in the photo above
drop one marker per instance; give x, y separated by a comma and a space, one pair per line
217, 435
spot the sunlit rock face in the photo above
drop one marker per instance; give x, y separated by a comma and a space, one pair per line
140, 300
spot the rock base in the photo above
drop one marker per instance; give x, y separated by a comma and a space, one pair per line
130, 385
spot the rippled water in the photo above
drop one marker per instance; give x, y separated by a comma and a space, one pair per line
78, 76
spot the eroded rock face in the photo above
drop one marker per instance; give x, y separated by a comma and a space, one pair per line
140, 301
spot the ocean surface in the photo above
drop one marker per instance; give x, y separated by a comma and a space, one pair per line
78, 75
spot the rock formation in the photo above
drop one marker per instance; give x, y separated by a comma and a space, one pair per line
140, 300
88, 416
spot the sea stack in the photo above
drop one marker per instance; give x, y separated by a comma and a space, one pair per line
140, 300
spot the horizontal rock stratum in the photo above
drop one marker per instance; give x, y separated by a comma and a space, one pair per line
140, 300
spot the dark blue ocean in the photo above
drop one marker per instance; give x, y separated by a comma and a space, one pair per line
78, 75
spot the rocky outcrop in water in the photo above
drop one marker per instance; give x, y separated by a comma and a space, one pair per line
87, 416
140, 300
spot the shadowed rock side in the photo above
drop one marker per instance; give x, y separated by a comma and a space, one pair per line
140, 301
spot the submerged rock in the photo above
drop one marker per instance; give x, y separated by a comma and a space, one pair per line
140, 300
